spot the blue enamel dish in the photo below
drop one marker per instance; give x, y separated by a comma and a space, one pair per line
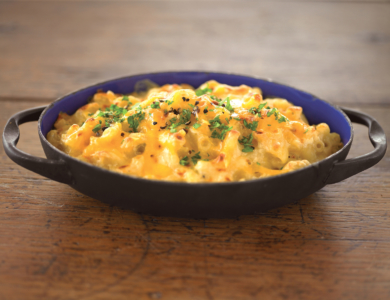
188, 199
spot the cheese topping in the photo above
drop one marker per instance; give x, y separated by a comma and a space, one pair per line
216, 133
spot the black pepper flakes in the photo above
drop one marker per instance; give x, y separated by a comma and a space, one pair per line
205, 111
154, 123
122, 134
196, 102
104, 128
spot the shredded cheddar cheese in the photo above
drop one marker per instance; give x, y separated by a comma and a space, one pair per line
216, 133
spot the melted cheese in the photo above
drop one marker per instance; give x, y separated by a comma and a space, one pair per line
217, 133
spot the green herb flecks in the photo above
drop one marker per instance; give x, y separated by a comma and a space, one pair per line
282, 119
184, 161
155, 105
215, 98
278, 116
219, 126
247, 143
135, 119
197, 125
185, 117
252, 126
196, 158
113, 113
200, 92
97, 128
271, 112
254, 110
228, 106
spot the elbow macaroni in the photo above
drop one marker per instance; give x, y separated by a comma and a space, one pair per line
216, 133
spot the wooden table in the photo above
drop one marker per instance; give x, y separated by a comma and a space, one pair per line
56, 243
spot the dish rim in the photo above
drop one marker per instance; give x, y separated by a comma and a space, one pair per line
193, 184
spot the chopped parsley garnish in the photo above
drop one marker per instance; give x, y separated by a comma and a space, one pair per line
224, 130
195, 158
136, 118
258, 163
254, 110
97, 128
185, 117
271, 112
184, 161
125, 98
215, 98
306, 130
251, 126
282, 119
155, 104
217, 124
237, 119
228, 106
200, 92
261, 106
169, 102
278, 116
113, 113
247, 143
197, 125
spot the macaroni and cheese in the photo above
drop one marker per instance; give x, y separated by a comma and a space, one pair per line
216, 133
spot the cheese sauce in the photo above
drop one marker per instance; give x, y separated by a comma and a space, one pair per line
216, 133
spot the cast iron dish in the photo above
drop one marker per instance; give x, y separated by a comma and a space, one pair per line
189, 199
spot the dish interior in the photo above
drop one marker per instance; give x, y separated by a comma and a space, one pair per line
315, 110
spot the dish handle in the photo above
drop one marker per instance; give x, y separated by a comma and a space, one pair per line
343, 169
53, 169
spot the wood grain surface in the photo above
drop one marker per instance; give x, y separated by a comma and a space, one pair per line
56, 243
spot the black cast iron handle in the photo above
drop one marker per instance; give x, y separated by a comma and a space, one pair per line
53, 169
347, 168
